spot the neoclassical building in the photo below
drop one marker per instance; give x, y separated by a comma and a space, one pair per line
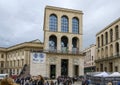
108, 48
63, 41
89, 59
13, 59
62, 46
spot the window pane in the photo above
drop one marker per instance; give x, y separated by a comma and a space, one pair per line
53, 23
64, 24
75, 26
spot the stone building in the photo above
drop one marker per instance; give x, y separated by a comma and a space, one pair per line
62, 46
13, 59
108, 48
89, 59
63, 41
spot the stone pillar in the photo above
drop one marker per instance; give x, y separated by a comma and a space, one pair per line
26, 57
114, 38
70, 68
81, 66
59, 25
70, 44
58, 43
70, 25
47, 67
114, 52
58, 67
46, 42
108, 36
108, 51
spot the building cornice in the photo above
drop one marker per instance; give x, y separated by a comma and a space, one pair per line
64, 9
108, 26
31, 44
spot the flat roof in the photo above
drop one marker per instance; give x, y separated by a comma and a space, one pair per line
64, 9
108, 26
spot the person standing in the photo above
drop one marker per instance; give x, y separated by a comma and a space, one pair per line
40, 80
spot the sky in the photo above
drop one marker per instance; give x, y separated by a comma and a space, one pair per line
22, 20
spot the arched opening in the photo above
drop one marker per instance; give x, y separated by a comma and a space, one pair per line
75, 44
64, 24
102, 40
117, 48
52, 43
98, 54
111, 50
102, 53
64, 44
106, 51
75, 25
98, 39
111, 35
106, 37
117, 32
53, 23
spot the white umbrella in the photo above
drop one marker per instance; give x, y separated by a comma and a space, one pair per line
115, 74
103, 74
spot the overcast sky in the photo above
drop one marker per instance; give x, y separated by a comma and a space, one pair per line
22, 20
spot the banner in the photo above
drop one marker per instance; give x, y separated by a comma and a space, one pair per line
38, 57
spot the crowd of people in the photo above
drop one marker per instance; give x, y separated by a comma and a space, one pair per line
37, 80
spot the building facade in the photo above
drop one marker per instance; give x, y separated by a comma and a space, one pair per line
89, 59
62, 47
108, 48
13, 59
63, 41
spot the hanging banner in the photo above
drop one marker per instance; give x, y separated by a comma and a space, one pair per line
38, 57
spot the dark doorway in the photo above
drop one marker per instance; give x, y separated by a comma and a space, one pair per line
76, 70
111, 67
52, 71
64, 67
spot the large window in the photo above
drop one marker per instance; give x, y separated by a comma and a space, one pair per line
64, 24
98, 39
106, 38
111, 35
75, 26
53, 23
102, 40
52, 43
116, 32
117, 48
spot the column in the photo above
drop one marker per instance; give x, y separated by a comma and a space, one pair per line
108, 50
80, 25
70, 24
46, 42
58, 43
114, 52
70, 71
58, 67
80, 43
114, 34
59, 23
70, 44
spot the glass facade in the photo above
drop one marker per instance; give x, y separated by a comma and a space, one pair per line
64, 24
53, 23
75, 26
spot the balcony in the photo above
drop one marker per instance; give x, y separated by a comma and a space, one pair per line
116, 56
64, 50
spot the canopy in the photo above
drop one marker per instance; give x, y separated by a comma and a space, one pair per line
115, 74
103, 74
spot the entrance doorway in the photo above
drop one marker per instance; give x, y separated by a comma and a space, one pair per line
64, 67
76, 70
52, 71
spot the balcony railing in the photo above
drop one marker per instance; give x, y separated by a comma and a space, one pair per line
108, 57
64, 50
